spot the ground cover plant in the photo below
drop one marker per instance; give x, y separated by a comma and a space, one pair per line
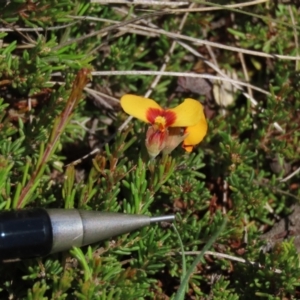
66, 142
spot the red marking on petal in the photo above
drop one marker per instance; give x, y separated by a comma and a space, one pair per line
170, 117
152, 113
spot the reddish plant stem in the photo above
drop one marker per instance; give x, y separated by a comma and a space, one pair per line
60, 123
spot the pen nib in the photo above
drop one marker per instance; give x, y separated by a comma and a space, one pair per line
169, 218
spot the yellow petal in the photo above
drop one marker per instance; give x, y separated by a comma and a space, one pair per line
196, 134
137, 106
187, 113
188, 148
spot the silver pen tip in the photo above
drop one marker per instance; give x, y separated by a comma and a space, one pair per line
169, 218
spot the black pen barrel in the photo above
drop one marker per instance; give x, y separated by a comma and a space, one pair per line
25, 234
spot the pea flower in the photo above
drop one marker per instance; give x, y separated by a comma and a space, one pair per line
169, 127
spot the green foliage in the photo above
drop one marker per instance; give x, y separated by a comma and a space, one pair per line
237, 174
276, 280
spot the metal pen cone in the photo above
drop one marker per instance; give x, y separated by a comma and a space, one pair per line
80, 227
101, 225
169, 218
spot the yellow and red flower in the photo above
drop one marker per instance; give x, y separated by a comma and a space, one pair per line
161, 135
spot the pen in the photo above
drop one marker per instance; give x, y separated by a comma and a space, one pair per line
37, 232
